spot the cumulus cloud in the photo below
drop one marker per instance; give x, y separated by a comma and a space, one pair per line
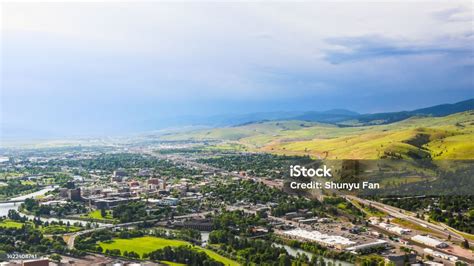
372, 47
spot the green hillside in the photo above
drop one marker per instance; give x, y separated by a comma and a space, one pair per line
448, 137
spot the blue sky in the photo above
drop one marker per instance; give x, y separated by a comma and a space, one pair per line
110, 68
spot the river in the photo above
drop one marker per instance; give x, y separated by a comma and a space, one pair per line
294, 252
5, 207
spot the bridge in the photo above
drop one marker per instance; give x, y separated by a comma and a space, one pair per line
12, 201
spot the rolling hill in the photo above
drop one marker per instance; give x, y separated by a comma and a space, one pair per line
445, 137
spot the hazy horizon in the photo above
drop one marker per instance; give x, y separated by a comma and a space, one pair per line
110, 69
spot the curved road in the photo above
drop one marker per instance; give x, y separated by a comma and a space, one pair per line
72, 238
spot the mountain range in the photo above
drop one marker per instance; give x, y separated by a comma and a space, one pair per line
340, 117
436, 133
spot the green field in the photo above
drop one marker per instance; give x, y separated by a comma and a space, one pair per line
10, 224
59, 229
148, 244
96, 215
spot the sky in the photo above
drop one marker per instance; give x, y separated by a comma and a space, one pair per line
109, 68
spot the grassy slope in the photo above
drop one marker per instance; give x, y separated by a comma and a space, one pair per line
441, 138
450, 137
148, 244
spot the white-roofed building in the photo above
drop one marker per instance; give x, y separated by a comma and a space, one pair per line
429, 241
338, 242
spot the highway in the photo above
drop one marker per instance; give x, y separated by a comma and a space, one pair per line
403, 214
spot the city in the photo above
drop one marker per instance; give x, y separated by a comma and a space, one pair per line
95, 205
236, 133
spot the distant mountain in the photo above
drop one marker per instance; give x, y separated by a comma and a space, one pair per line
437, 111
340, 117
348, 118
446, 109
330, 116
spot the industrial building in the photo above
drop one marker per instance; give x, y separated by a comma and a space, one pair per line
338, 242
429, 241
393, 228
107, 203
401, 259
362, 247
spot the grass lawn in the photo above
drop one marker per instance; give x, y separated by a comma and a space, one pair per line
59, 229
148, 244
463, 234
372, 212
10, 224
96, 215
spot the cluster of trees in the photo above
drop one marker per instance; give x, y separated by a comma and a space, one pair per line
15, 216
118, 253
250, 251
292, 204
183, 254
47, 227
260, 165
33, 206
128, 161
88, 242
372, 260
14, 187
244, 190
238, 221
131, 211
339, 206
318, 250
257, 193
27, 239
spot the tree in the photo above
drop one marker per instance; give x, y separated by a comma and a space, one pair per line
55, 257
103, 213
133, 254
284, 260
